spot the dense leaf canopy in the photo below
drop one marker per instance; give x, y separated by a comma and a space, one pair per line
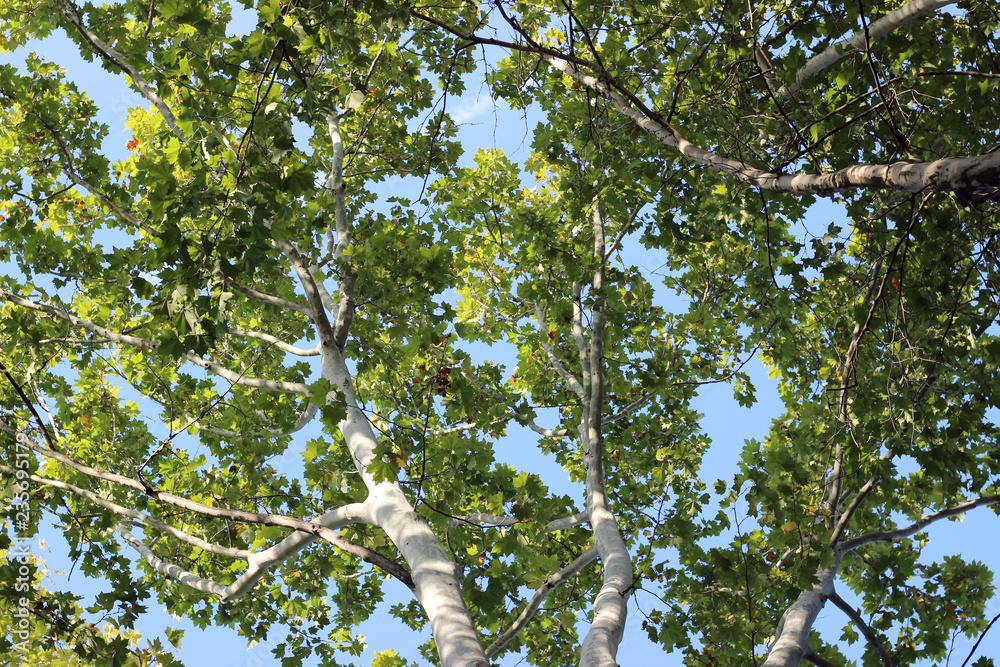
258, 361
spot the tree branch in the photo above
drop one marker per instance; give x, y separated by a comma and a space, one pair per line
535, 602
568, 377
261, 562
73, 175
979, 641
118, 61
436, 579
975, 175
549, 432
190, 580
479, 518
845, 518
335, 183
978, 176
581, 341
262, 518
277, 342
31, 406
267, 298
859, 41
137, 515
628, 409
303, 420
791, 638
318, 310
600, 645
568, 522
873, 298
134, 341
917, 526
863, 627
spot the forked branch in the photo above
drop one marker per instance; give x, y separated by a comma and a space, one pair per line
263, 518
171, 570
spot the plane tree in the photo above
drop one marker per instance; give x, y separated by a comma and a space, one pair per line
262, 383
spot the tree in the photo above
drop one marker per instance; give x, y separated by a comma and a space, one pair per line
247, 227
48, 628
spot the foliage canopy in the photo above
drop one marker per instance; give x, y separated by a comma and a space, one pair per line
247, 375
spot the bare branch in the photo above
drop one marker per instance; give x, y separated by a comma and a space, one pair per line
335, 183
535, 602
629, 409
245, 381
169, 569
581, 341
310, 286
75, 341
435, 577
863, 627
277, 342
307, 416
859, 41
118, 61
859, 497
568, 522
742, 592
967, 174
124, 339
791, 638
979, 641
261, 562
550, 432
847, 376
568, 377
454, 429
917, 526
31, 406
627, 226
71, 173
136, 515
600, 645
267, 298
118, 210
480, 519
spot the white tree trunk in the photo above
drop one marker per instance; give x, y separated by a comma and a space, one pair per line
791, 640
435, 576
